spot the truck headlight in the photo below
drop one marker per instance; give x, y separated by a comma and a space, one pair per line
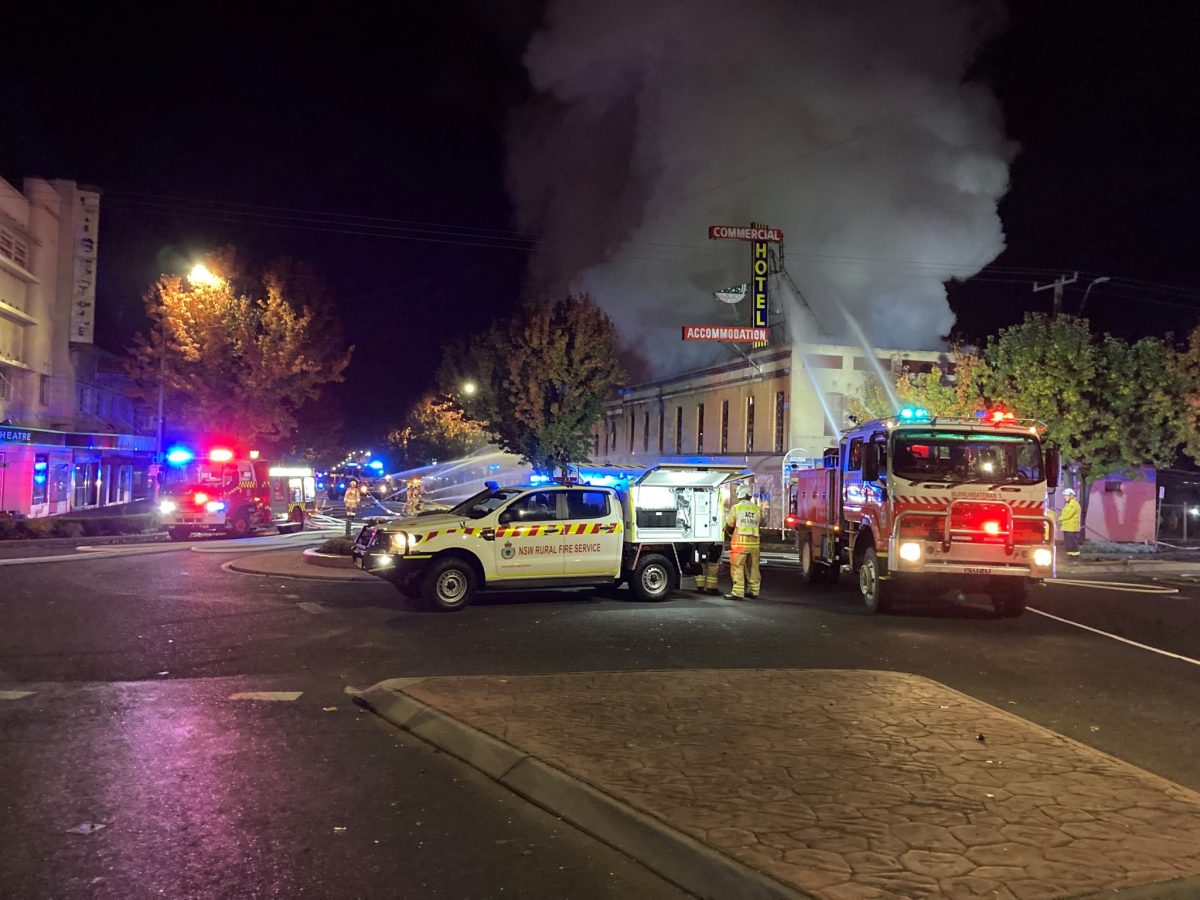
214, 506
167, 506
1042, 557
910, 551
399, 542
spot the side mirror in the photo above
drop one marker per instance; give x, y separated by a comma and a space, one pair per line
870, 462
1053, 464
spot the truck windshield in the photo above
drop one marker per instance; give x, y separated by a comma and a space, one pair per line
484, 502
967, 456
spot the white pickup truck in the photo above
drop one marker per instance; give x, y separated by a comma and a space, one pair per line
602, 527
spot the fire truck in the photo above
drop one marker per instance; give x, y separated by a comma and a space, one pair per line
224, 493
917, 504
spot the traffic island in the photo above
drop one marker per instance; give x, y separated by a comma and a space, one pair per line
834, 784
295, 564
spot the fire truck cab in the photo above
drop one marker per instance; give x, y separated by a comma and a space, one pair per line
917, 504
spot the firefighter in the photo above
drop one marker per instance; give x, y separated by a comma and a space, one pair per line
742, 525
1068, 521
352, 497
710, 566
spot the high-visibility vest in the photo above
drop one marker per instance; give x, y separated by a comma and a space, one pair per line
743, 518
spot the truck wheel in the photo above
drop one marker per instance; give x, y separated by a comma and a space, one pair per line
876, 592
654, 578
1008, 597
297, 515
239, 527
448, 585
179, 534
812, 571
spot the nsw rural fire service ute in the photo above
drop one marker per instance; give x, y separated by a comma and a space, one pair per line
917, 504
603, 526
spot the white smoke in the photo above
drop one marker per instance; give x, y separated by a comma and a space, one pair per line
641, 108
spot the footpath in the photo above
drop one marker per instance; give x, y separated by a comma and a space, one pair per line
819, 783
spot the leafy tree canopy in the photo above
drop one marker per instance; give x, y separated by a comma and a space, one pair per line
436, 429
538, 381
239, 356
940, 391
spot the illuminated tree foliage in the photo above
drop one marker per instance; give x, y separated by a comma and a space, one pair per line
237, 360
1185, 366
541, 379
956, 392
1109, 405
436, 429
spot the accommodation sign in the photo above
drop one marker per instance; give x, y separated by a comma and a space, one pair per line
736, 333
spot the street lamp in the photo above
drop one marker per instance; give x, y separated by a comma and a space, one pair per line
469, 389
202, 276
1095, 281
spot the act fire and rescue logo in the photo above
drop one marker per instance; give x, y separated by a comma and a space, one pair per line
508, 551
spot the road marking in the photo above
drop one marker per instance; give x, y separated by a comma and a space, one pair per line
1117, 637
16, 695
1115, 586
267, 695
310, 607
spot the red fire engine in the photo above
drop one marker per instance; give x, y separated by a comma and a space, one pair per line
917, 504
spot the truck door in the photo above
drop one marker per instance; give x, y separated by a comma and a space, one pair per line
529, 537
592, 533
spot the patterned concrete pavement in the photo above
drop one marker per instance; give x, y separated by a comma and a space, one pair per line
846, 784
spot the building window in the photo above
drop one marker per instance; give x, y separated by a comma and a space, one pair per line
596, 445
44, 390
5, 384
41, 478
646, 432
661, 424
749, 424
14, 248
780, 410
611, 444
679, 431
1112, 487
699, 427
724, 426
632, 428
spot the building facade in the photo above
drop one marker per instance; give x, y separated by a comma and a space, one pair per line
778, 403
70, 437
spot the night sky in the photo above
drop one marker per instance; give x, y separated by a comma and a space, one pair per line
300, 130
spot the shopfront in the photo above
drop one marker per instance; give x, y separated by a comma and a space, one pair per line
47, 473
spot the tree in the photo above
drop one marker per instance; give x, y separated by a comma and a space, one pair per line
540, 379
1185, 366
436, 429
1110, 406
938, 391
233, 363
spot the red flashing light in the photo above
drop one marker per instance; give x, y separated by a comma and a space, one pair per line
1000, 414
992, 528
199, 498
790, 521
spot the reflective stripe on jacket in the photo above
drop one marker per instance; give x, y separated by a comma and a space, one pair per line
743, 518
1068, 519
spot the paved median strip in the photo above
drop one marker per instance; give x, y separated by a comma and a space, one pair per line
823, 782
270, 696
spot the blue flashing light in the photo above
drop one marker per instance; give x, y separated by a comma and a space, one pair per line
538, 479
179, 456
906, 413
910, 412
41, 466
341, 485
376, 464
39, 478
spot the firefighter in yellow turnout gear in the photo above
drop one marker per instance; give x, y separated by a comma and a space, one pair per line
742, 525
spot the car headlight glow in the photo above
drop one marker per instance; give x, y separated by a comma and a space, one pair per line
167, 506
214, 505
399, 542
1042, 557
910, 551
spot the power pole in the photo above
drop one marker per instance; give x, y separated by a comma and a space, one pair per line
1058, 284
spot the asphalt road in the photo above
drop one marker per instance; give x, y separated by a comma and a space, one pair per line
132, 662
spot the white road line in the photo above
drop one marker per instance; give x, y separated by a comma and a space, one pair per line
16, 695
1115, 586
266, 695
1116, 637
310, 607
